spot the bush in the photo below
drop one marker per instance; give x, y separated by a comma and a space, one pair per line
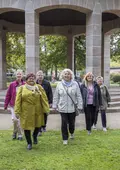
10, 79
115, 78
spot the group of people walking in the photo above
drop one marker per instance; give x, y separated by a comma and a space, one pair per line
31, 102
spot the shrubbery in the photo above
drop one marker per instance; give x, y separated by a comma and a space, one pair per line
115, 78
10, 79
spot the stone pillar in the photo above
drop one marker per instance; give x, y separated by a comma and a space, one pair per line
70, 52
93, 40
3, 70
32, 41
102, 55
107, 60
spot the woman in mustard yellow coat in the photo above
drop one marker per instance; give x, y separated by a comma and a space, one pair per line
30, 105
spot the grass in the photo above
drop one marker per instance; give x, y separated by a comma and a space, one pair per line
100, 151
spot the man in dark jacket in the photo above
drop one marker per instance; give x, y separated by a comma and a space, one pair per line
47, 87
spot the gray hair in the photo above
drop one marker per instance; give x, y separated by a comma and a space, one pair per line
39, 72
67, 70
99, 78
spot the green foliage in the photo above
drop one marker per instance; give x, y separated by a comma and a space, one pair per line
53, 85
100, 151
115, 78
115, 46
53, 52
15, 51
80, 52
10, 79
115, 63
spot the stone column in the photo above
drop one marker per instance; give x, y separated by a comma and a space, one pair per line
107, 60
32, 41
70, 52
102, 55
3, 77
93, 40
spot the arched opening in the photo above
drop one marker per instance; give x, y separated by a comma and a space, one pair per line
110, 45
11, 27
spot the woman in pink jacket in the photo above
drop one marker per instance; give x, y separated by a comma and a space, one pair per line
10, 101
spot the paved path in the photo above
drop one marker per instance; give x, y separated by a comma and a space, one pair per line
113, 121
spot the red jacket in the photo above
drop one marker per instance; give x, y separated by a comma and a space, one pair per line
11, 94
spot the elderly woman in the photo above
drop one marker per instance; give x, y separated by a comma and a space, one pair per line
66, 91
91, 99
47, 87
10, 100
31, 103
105, 100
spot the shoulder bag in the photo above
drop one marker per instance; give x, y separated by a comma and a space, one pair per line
77, 111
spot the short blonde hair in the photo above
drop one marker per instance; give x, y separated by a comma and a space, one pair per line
66, 70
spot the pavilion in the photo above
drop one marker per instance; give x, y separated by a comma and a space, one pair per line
97, 19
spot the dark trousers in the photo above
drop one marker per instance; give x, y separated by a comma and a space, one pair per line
67, 123
90, 112
45, 122
96, 117
103, 117
28, 135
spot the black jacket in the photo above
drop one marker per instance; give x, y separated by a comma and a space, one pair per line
97, 99
47, 87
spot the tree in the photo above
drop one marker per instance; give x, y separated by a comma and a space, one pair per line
15, 51
80, 52
115, 46
53, 52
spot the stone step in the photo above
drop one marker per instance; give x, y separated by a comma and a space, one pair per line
4, 111
114, 104
1, 104
2, 98
114, 93
109, 110
115, 98
113, 110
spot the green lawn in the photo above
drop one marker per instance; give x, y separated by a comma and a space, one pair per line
99, 151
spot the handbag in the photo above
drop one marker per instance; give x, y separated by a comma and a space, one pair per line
77, 111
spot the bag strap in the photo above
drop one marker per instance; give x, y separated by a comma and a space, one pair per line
69, 95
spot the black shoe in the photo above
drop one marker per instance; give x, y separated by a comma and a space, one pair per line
29, 147
20, 138
14, 136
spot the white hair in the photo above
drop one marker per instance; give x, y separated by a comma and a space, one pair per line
66, 70
19, 71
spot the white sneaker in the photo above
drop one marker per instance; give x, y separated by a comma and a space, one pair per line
40, 134
65, 142
71, 136
94, 127
104, 129
89, 132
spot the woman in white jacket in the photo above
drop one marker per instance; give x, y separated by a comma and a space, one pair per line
64, 104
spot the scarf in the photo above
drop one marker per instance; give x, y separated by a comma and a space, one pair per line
67, 83
34, 88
